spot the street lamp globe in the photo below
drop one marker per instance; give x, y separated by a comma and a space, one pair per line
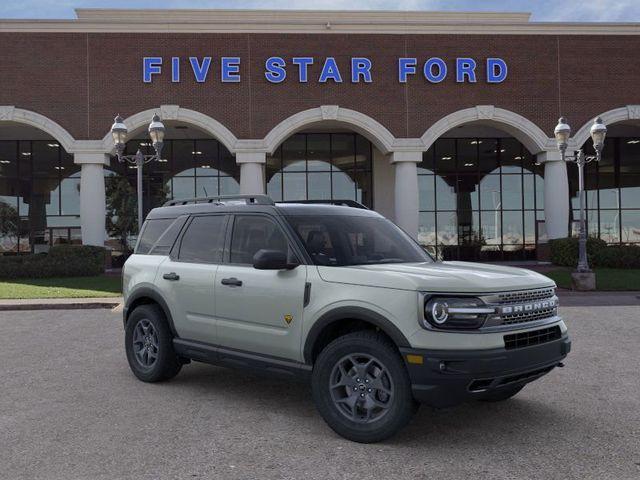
562, 133
156, 132
119, 133
598, 132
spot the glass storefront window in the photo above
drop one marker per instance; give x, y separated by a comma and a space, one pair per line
39, 195
612, 189
479, 199
189, 168
321, 166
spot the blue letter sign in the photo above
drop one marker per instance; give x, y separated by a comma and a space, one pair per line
434, 69
360, 67
303, 66
275, 69
200, 71
330, 71
151, 66
406, 66
496, 70
465, 67
230, 70
428, 70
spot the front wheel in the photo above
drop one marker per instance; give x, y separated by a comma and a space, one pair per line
149, 345
361, 387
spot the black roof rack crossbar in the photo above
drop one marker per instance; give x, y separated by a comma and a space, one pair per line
221, 199
344, 203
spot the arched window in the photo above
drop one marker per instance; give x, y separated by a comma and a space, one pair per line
480, 198
320, 166
39, 196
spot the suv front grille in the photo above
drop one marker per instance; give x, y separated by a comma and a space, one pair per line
535, 337
522, 306
528, 317
525, 296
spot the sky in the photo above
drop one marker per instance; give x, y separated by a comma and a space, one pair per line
542, 10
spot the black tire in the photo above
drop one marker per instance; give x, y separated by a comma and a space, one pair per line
501, 394
166, 364
349, 420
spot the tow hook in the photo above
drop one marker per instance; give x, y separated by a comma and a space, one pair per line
561, 365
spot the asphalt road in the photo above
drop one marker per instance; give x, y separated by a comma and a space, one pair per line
70, 409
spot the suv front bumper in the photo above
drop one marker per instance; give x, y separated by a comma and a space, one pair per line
449, 377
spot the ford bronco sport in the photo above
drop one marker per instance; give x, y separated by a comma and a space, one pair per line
340, 296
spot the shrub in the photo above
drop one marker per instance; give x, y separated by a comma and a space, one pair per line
618, 256
564, 251
61, 261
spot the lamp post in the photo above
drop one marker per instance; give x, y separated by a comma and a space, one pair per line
562, 133
119, 133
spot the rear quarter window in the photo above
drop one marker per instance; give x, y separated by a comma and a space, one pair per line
159, 235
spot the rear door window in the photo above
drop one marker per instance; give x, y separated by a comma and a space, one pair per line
203, 241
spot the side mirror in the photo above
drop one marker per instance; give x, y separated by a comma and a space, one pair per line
272, 260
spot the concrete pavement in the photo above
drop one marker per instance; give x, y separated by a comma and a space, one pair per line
70, 409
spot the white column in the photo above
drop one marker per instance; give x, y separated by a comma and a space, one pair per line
92, 197
251, 172
406, 190
556, 194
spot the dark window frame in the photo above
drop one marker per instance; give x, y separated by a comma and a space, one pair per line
292, 241
177, 246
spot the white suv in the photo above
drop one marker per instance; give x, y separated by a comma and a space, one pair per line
338, 295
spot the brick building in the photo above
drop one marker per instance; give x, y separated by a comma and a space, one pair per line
441, 121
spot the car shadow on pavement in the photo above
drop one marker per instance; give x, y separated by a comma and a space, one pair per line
514, 420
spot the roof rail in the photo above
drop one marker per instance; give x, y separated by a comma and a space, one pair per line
344, 203
223, 199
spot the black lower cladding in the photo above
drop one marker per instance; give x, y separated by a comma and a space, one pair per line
447, 378
229, 357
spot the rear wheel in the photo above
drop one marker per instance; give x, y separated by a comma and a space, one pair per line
501, 395
361, 387
149, 345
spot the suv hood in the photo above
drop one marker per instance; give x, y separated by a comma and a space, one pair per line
445, 277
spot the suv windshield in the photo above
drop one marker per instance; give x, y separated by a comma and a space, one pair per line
341, 240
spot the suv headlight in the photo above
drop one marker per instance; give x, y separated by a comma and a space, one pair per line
455, 312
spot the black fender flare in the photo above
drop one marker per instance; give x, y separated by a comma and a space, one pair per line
353, 313
147, 292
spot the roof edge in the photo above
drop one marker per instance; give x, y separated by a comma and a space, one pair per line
301, 16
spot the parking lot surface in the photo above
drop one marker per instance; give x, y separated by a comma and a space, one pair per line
71, 409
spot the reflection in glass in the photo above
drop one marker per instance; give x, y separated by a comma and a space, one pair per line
630, 222
488, 215
512, 192
447, 228
445, 194
320, 186
612, 187
512, 229
610, 226
321, 166
426, 192
294, 186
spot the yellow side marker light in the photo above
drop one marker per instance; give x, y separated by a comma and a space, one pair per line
415, 359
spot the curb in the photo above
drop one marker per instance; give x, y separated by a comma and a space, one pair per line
79, 305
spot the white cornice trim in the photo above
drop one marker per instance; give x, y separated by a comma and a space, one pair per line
309, 21
296, 16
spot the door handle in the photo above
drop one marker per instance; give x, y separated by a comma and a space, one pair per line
231, 282
173, 276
